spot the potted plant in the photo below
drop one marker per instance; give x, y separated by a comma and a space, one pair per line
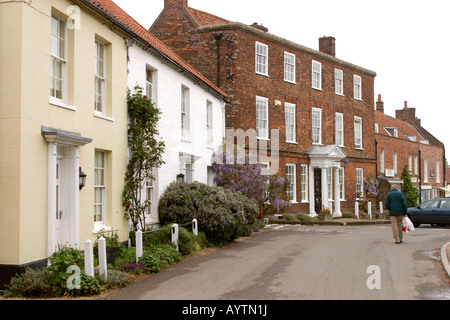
325, 214
112, 245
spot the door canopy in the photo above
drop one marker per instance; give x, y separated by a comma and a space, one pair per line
326, 156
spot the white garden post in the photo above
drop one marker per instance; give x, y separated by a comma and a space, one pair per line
102, 258
175, 231
139, 248
381, 207
369, 208
357, 210
195, 227
89, 258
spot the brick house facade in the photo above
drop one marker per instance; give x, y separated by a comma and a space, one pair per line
402, 141
322, 106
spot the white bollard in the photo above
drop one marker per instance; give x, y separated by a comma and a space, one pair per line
139, 246
369, 208
102, 264
195, 227
357, 210
175, 231
89, 258
381, 207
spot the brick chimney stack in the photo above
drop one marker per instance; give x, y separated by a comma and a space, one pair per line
175, 4
328, 45
380, 104
407, 114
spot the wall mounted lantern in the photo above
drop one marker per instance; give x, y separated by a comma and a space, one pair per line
82, 179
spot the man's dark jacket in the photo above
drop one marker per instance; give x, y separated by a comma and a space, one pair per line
396, 203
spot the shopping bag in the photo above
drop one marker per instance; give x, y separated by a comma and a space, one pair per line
407, 225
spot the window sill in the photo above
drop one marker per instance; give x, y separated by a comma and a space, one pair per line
292, 142
100, 228
102, 116
61, 104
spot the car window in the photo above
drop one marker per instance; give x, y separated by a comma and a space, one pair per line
445, 204
430, 204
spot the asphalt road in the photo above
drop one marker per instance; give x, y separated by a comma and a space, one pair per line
308, 263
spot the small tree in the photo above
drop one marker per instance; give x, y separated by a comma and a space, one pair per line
411, 193
145, 154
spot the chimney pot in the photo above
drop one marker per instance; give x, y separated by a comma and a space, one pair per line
406, 104
380, 104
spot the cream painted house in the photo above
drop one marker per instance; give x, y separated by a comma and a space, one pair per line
65, 68
63, 109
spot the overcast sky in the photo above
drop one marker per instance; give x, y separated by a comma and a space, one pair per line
404, 41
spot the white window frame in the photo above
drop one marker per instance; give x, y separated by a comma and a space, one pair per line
185, 112
416, 166
316, 75
289, 67
316, 121
262, 118
340, 129
304, 183
100, 78
291, 128
58, 57
100, 188
382, 163
292, 187
395, 160
261, 58
358, 133
410, 164
209, 123
357, 85
342, 183
360, 181
151, 194
425, 171
339, 82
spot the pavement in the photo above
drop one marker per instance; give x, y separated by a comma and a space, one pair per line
445, 257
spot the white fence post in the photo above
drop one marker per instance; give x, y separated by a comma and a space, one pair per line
102, 258
369, 208
175, 231
138, 245
381, 207
195, 227
89, 258
357, 210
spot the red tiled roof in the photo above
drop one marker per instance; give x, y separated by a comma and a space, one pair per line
109, 7
204, 18
404, 129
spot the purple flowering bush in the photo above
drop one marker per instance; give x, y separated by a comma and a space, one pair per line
269, 191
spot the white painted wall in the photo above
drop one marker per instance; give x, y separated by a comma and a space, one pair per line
167, 96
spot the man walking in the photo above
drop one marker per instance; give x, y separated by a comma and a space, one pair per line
396, 203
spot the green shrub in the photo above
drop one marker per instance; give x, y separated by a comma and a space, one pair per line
30, 284
154, 258
115, 279
348, 215
303, 216
288, 216
89, 286
63, 258
222, 215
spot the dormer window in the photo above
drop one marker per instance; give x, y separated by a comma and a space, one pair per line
393, 132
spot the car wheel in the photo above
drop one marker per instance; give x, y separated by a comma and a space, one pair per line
416, 225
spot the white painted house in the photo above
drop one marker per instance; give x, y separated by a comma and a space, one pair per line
192, 123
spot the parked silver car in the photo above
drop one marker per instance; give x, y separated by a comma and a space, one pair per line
434, 211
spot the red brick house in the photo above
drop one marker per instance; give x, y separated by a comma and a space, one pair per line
402, 141
322, 106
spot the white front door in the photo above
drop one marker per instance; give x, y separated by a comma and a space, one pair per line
62, 199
